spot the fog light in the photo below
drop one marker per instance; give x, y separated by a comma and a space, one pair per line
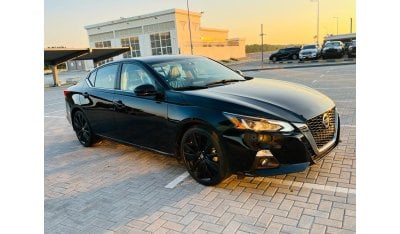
264, 162
215, 159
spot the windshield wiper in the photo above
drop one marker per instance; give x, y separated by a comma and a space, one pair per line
223, 82
192, 87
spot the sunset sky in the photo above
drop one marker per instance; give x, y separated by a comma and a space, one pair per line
285, 21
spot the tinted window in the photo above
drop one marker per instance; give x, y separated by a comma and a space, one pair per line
133, 75
92, 77
106, 76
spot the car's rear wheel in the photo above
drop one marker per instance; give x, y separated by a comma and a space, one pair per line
82, 129
294, 57
274, 59
203, 156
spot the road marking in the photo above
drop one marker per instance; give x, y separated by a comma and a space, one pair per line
48, 116
349, 126
53, 104
53, 112
314, 81
322, 75
299, 184
177, 180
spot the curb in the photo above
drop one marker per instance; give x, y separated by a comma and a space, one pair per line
314, 61
299, 66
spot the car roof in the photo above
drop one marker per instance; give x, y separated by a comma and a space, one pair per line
162, 58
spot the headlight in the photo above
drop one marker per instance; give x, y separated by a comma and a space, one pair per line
258, 124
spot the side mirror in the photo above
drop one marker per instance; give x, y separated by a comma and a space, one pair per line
146, 90
239, 72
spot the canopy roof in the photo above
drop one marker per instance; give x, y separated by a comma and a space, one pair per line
54, 56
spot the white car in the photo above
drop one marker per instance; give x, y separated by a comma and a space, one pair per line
310, 51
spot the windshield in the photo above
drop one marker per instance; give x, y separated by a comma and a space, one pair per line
195, 73
332, 44
306, 47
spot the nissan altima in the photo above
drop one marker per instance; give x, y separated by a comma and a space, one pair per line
216, 120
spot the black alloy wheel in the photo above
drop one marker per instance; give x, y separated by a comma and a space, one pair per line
82, 129
294, 57
274, 59
203, 156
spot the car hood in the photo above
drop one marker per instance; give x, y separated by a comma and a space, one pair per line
268, 98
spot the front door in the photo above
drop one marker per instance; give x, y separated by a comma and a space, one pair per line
141, 120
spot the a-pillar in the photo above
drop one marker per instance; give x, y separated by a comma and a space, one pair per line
55, 75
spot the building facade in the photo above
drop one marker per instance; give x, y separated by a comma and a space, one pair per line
165, 32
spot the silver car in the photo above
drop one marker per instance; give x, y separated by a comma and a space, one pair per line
310, 51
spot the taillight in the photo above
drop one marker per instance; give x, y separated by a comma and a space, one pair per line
66, 92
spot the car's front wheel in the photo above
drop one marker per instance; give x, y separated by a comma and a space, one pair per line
82, 129
203, 156
294, 57
274, 59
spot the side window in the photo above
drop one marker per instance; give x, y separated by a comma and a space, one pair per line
133, 75
92, 77
106, 76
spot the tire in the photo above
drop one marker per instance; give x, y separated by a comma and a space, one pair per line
82, 129
294, 57
203, 156
274, 59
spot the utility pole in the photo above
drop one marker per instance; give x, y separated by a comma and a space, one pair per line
337, 25
351, 25
262, 44
317, 19
190, 29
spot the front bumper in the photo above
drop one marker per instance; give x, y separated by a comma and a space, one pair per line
308, 56
286, 152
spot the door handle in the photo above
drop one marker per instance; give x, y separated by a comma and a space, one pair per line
118, 104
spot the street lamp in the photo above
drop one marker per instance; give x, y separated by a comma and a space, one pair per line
262, 44
337, 25
190, 29
317, 19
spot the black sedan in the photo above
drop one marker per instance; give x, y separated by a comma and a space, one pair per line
213, 118
286, 53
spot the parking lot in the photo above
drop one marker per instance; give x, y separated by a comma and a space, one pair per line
112, 187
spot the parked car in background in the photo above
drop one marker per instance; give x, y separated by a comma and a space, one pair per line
352, 49
285, 54
310, 51
346, 46
214, 119
333, 49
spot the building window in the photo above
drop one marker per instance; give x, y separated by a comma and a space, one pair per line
103, 44
133, 44
161, 43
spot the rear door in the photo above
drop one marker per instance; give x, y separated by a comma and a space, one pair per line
141, 120
98, 100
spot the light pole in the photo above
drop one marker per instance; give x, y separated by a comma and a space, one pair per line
337, 25
190, 29
317, 19
262, 44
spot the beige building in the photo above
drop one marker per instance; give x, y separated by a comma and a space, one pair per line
165, 32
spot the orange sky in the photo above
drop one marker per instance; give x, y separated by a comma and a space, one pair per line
285, 21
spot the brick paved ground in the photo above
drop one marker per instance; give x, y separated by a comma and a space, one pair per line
116, 188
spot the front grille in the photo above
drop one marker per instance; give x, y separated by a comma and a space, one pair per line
322, 135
